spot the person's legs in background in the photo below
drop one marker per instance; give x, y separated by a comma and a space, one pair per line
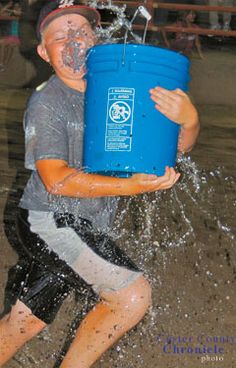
227, 16
214, 16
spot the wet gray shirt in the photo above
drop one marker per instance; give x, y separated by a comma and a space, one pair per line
54, 126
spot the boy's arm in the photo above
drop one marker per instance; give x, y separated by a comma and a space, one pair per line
177, 106
60, 179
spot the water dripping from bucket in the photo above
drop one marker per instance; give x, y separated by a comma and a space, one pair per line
147, 16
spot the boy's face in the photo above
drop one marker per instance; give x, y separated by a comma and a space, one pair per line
64, 44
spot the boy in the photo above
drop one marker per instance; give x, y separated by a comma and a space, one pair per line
65, 214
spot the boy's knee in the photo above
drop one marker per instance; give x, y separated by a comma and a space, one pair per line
22, 317
134, 300
139, 298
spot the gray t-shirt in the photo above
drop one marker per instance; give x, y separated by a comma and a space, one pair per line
54, 127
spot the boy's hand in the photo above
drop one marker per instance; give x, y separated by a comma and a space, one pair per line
175, 105
151, 183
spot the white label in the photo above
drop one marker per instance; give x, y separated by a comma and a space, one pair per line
119, 119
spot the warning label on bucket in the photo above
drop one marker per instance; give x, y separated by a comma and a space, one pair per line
119, 119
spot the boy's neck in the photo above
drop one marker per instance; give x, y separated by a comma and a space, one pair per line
77, 84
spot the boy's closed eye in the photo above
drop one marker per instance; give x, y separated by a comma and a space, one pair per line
59, 36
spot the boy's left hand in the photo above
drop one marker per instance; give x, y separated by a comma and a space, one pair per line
175, 105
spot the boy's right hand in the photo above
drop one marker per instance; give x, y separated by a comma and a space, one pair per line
151, 183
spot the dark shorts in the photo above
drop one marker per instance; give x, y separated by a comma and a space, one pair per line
62, 254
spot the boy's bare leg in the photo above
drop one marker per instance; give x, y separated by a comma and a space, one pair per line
16, 328
117, 313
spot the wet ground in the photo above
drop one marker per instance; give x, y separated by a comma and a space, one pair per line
183, 240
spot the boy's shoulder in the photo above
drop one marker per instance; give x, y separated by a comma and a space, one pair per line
45, 94
56, 99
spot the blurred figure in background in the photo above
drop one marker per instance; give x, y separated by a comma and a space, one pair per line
162, 17
5, 8
28, 19
184, 42
10, 38
214, 16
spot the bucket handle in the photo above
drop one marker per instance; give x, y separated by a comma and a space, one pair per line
141, 10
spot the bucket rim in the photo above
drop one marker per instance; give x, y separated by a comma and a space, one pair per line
139, 46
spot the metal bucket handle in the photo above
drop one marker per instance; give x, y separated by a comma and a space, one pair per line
141, 10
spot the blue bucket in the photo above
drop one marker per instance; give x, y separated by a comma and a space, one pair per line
124, 133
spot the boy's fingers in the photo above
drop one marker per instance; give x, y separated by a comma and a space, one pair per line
150, 177
168, 177
171, 176
164, 93
180, 92
169, 184
169, 99
165, 111
162, 102
166, 96
159, 182
177, 177
169, 107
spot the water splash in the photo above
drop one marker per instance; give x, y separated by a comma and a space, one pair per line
192, 202
121, 22
74, 51
78, 41
150, 228
149, 218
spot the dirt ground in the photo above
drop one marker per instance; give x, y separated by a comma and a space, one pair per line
193, 280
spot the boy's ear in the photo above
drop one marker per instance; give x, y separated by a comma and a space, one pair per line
43, 52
